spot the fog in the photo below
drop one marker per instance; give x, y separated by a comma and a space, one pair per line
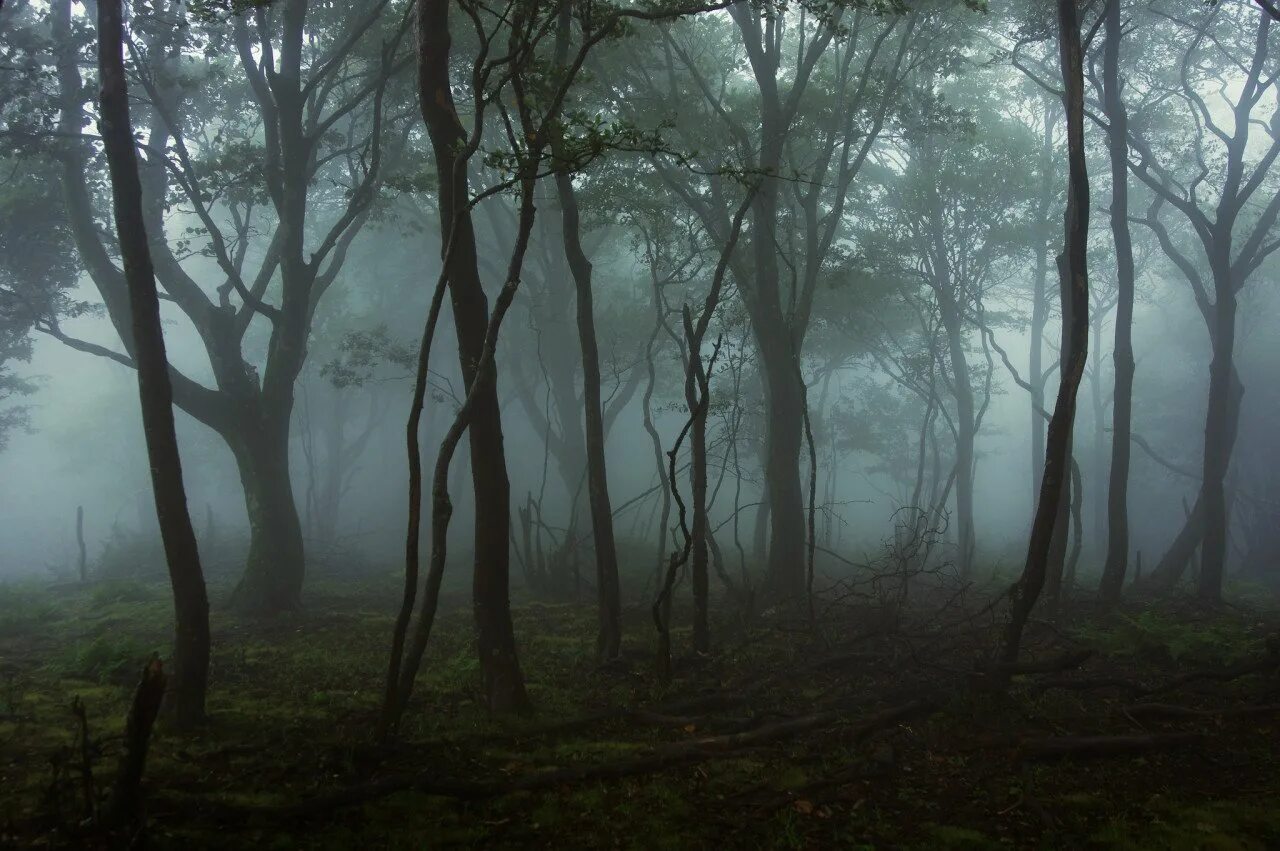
706, 326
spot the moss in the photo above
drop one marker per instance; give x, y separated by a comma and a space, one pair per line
952, 836
1213, 826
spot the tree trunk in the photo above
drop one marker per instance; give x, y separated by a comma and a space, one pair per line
1221, 427
1040, 306
84, 560
1222, 423
1074, 276
495, 636
1113, 570
965, 439
1057, 559
191, 606
784, 433
698, 527
272, 580
609, 640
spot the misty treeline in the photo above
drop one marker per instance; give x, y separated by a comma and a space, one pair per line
796, 254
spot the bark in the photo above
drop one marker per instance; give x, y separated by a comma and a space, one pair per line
966, 427
609, 640
1040, 304
274, 572
1220, 430
191, 605
646, 407
245, 405
495, 637
1113, 570
1057, 559
698, 400
124, 810
697, 392
1217, 231
1073, 271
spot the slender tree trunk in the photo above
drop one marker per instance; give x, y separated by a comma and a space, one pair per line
609, 640
760, 530
84, 560
1221, 427
1113, 570
189, 682
1057, 560
965, 439
698, 527
495, 636
1074, 276
1040, 305
1098, 444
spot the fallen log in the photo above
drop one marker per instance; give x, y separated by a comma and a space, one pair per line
668, 756
1173, 710
1060, 747
1223, 674
1052, 665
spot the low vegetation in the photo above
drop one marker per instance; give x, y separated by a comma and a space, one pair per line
857, 732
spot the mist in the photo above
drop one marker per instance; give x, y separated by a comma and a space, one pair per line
609, 414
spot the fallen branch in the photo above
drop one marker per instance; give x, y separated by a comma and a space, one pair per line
1221, 675
1059, 747
668, 756
1052, 665
1173, 710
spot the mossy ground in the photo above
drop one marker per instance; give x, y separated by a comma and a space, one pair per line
293, 702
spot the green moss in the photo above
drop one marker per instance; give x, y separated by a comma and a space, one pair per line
113, 658
1214, 826
952, 836
1162, 634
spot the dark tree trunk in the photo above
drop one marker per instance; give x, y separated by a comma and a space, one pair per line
784, 433
495, 636
1057, 560
1221, 427
698, 527
274, 572
965, 439
84, 559
1113, 570
1074, 278
1040, 305
609, 640
191, 606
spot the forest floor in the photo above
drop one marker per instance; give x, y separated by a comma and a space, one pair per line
863, 733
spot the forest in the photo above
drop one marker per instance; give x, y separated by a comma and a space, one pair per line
640, 424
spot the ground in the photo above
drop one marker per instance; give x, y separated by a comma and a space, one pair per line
863, 731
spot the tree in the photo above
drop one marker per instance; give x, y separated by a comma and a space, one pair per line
318, 100
1113, 570
781, 128
1233, 224
189, 680
953, 220
1074, 295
